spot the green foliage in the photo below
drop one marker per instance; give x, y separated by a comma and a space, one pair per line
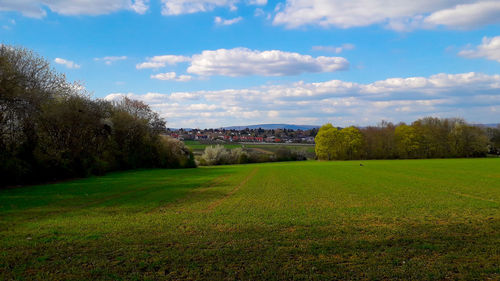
332, 144
407, 143
351, 142
51, 129
326, 140
219, 155
424, 138
494, 136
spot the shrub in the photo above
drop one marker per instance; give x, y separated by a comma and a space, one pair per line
215, 155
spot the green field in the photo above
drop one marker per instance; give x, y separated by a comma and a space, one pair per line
408, 219
198, 147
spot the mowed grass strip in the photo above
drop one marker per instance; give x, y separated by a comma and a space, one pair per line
409, 219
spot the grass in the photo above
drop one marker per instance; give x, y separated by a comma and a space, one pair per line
409, 219
198, 147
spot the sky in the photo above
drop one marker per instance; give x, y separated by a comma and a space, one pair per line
214, 63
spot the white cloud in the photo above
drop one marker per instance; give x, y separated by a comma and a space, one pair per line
184, 78
37, 8
273, 113
259, 12
66, 63
179, 7
162, 61
257, 2
474, 96
110, 59
395, 14
334, 49
221, 21
172, 76
9, 25
243, 62
489, 49
467, 16
140, 6
164, 76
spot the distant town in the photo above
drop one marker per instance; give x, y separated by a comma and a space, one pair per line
257, 135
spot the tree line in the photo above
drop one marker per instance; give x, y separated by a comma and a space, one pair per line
51, 129
425, 138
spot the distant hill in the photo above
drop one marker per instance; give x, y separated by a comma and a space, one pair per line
298, 127
273, 126
488, 125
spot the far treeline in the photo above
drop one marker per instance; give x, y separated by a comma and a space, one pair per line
51, 129
425, 138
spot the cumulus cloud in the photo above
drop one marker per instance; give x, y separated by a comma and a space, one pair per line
395, 14
221, 21
467, 16
140, 6
243, 62
474, 96
110, 59
162, 61
489, 49
67, 63
172, 76
334, 49
37, 8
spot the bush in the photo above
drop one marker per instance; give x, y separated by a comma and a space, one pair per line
173, 153
218, 155
239, 156
215, 155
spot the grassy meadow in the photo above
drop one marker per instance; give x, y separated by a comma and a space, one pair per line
397, 219
198, 147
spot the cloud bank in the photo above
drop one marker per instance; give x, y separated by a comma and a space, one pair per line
399, 15
37, 8
474, 96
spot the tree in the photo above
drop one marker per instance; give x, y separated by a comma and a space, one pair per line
72, 137
379, 141
27, 83
407, 144
467, 141
351, 143
494, 137
433, 134
425, 138
51, 129
326, 140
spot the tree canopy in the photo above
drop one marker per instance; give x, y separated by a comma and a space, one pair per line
425, 138
52, 129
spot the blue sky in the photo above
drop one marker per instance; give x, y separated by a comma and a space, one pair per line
212, 63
